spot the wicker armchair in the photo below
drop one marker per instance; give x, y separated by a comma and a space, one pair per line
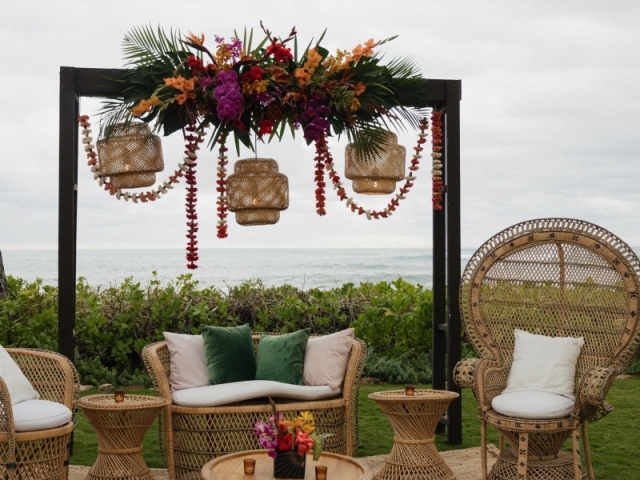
191, 436
560, 278
44, 453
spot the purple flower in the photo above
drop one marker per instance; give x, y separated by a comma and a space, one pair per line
314, 120
264, 98
235, 47
227, 92
205, 82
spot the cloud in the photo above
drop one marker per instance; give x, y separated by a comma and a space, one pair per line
550, 115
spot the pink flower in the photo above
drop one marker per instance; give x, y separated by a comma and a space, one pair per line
304, 442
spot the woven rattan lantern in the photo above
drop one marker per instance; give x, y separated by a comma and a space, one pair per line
257, 192
130, 156
377, 174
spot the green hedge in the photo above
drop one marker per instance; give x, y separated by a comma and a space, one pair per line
114, 324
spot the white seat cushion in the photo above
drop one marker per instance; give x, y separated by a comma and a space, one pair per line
33, 415
532, 404
224, 393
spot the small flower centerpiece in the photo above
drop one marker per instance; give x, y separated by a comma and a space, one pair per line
288, 442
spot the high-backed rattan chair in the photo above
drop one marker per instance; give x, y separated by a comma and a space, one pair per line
40, 454
559, 278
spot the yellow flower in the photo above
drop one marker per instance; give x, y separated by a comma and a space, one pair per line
257, 86
355, 104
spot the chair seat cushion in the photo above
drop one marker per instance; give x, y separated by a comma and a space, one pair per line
225, 393
33, 415
532, 404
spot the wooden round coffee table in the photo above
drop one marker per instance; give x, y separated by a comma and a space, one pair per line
414, 420
120, 428
231, 467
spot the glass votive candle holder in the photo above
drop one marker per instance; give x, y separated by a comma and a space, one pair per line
118, 396
409, 390
321, 472
249, 465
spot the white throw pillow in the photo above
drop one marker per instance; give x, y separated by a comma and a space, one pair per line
326, 359
187, 360
544, 364
533, 405
33, 415
20, 389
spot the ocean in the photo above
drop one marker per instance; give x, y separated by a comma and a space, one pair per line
301, 268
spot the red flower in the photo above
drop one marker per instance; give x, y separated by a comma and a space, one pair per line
254, 74
286, 442
238, 124
279, 52
196, 65
266, 126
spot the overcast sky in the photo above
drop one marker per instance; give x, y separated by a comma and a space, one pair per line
550, 117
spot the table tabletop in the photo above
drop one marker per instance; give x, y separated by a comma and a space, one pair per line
418, 396
131, 402
231, 467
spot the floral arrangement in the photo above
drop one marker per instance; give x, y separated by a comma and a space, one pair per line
299, 434
257, 91
254, 93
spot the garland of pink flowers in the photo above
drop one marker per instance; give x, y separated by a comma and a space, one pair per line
325, 159
436, 148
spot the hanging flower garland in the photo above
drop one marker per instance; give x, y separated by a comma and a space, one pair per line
193, 137
324, 158
221, 202
436, 155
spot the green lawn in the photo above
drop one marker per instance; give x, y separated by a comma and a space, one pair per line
614, 440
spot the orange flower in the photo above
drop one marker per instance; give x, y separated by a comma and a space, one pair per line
302, 76
359, 89
183, 97
145, 105
368, 47
195, 39
355, 104
313, 60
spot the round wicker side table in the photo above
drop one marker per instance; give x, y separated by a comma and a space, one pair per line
120, 428
414, 420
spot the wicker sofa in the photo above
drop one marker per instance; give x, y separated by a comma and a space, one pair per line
191, 436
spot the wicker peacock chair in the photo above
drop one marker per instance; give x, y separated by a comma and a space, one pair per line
559, 278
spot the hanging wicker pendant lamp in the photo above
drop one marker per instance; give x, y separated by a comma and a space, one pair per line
376, 175
130, 156
257, 192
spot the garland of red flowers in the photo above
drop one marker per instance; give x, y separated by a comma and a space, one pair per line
223, 206
191, 147
324, 158
436, 148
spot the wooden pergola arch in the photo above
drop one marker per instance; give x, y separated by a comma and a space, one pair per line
445, 95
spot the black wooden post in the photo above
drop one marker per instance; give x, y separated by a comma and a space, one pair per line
452, 199
439, 324
67, 212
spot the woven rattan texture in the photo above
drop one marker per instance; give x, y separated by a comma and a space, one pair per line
378, 173
190, 437
130, 156
414, 420
120, 428
554, 277
560, 468
257, 192
38, 454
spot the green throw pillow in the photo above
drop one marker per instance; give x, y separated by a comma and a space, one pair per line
281, 357
229, 353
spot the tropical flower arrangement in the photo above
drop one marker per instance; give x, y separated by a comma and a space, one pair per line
282, 435
257, 91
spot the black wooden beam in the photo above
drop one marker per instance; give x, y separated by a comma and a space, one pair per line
452, 199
